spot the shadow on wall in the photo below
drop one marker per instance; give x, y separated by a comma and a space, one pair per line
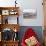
37, 29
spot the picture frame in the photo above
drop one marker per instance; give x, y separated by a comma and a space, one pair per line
12, 12
29, 13
12, 20
5, 12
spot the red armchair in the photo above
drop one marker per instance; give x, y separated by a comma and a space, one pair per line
28, 34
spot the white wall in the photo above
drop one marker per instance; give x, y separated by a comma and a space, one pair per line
32, 4
6, 3
28, 4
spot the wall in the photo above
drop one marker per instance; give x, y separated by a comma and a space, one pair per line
28, 4
32, 4
6, 3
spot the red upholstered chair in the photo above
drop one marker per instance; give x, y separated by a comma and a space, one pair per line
29, 33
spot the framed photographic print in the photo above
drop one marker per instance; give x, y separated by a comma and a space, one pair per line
5, 12
29, 13
12, 20
12, 12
